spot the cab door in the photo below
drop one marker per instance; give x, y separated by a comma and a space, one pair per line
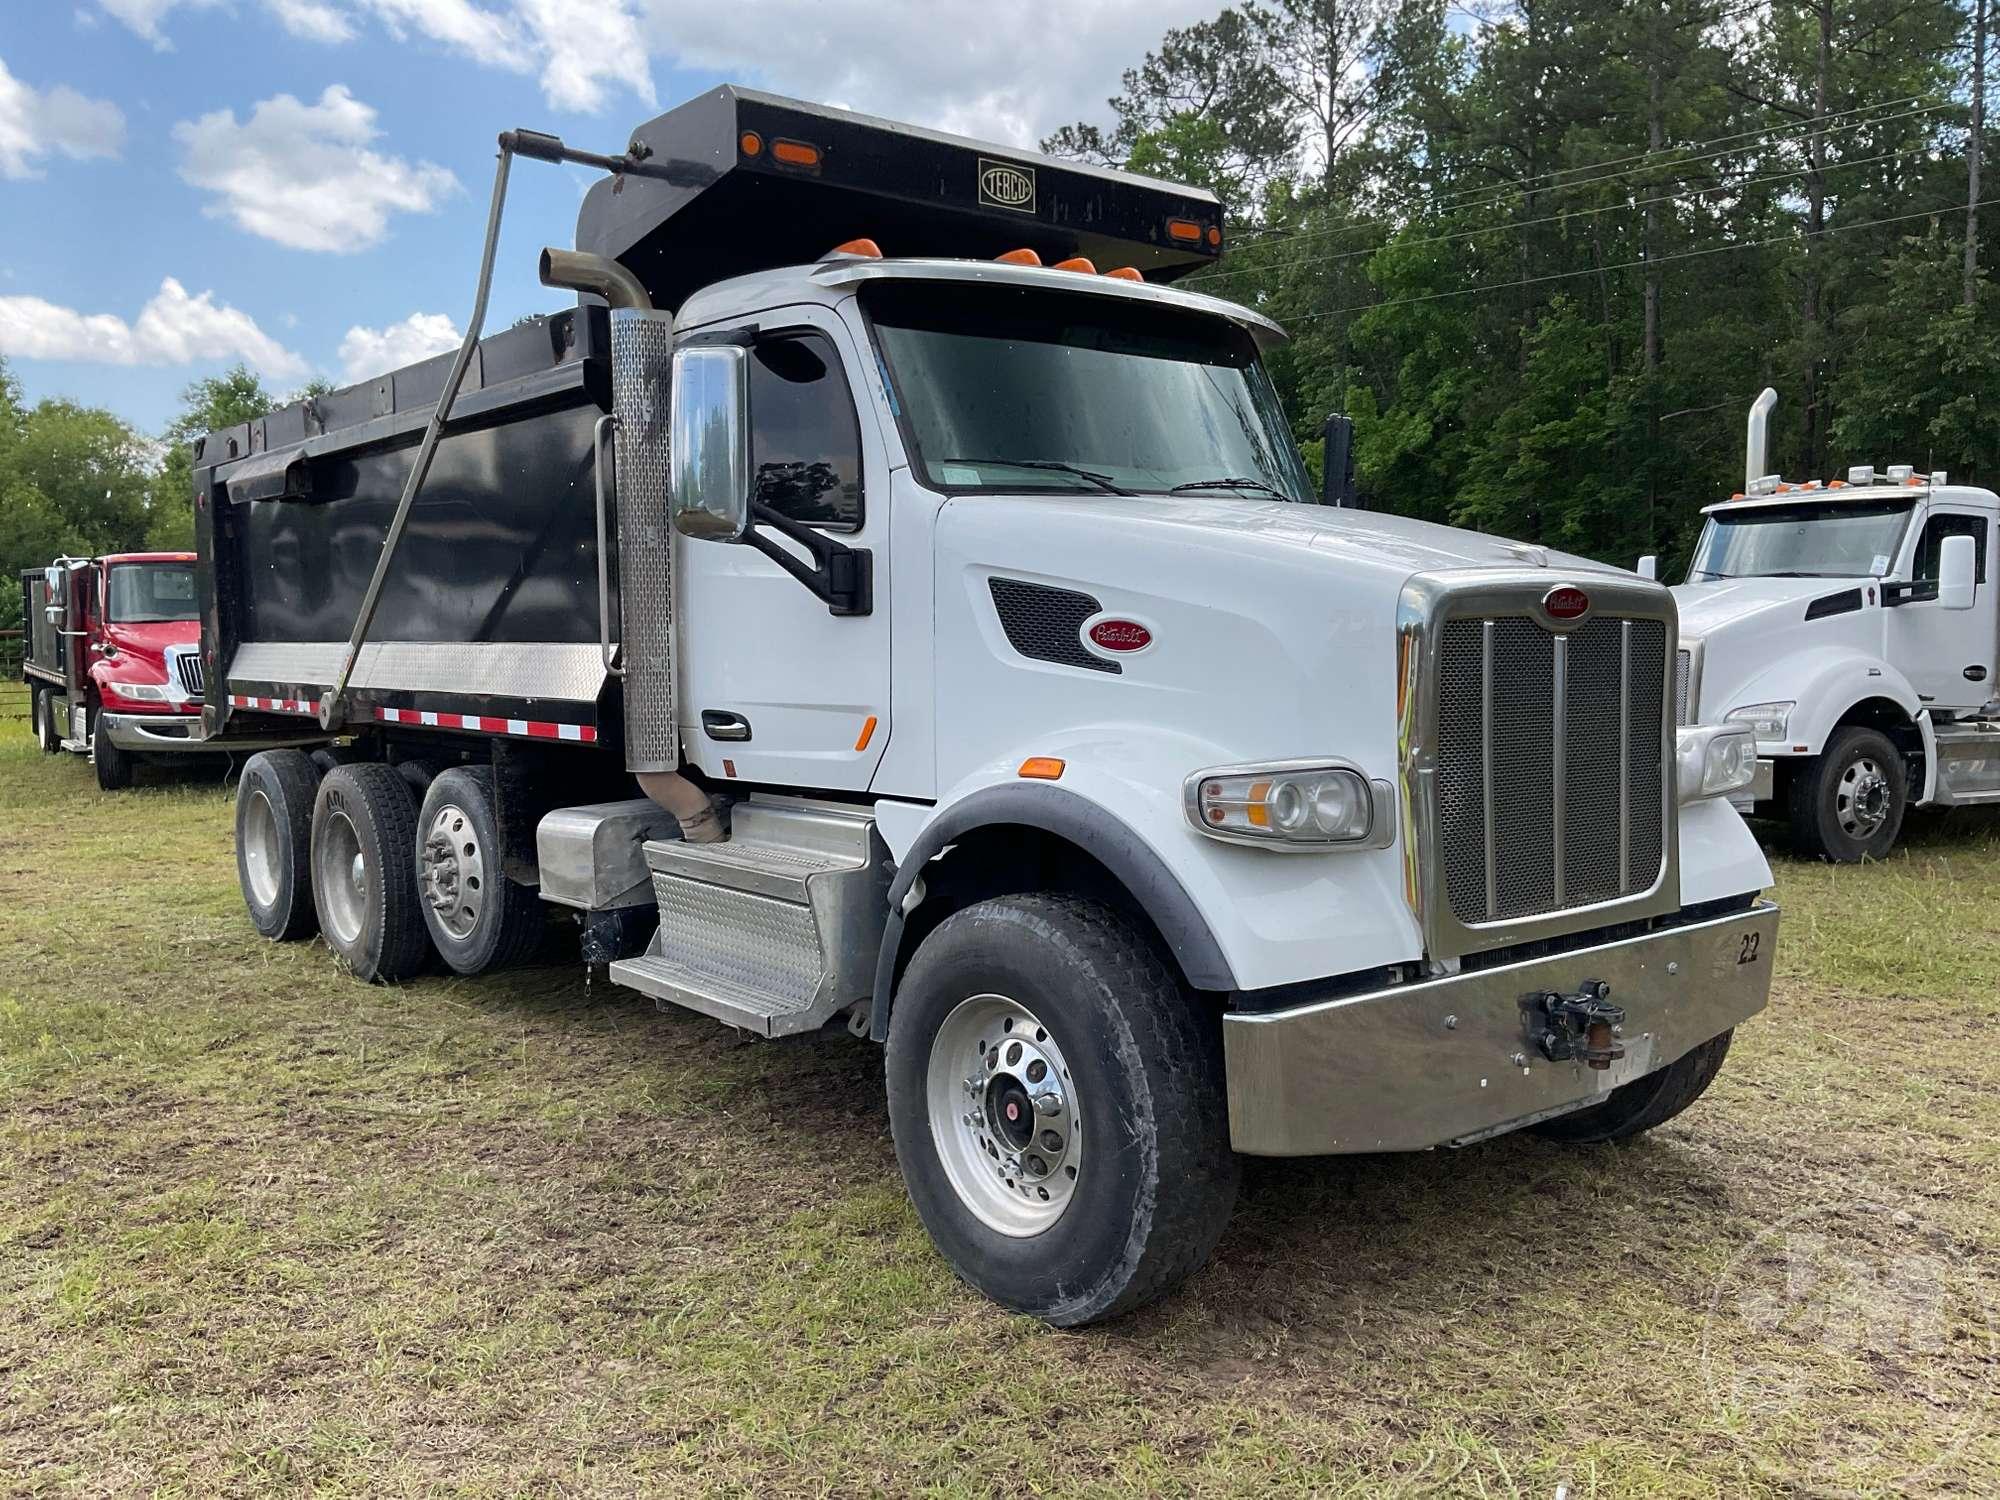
1947, 654
774, 687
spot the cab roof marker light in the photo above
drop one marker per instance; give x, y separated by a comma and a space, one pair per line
1021, 257
1080, 264
1125, 273
861, 249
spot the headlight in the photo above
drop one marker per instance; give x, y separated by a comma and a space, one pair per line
1768, 721
137, 692
1714, 760
1300, 804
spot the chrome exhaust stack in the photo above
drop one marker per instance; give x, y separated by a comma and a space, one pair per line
1757, 446
642, 353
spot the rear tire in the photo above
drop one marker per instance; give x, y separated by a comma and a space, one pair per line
114, 766
477, 917
364, 871
46, 733
1111, 1179
1636, 1107
1846, 804
274, 817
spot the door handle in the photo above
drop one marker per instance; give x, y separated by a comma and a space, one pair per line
719, 724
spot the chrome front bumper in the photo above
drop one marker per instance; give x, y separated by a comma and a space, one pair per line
180, 734
1453, 1060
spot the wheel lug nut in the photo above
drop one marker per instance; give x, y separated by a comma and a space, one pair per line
1050, 1103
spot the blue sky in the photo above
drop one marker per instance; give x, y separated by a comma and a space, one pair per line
302, 184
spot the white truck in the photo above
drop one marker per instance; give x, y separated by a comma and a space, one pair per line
1852, 626
958, 654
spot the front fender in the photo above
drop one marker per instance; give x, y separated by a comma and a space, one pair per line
1236, 918
1824, 685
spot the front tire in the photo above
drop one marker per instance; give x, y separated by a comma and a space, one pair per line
114, 766
1056, 1097
274, 816
1847, 803
364, 871
477, 917
1636, 1107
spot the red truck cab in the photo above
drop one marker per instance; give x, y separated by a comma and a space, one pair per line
114, 657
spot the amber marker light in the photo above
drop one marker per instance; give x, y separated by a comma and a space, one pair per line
1078, 264
1125, 273
867, 734
750, 143
795, 153
1185, 230
1021, 257
1042, 768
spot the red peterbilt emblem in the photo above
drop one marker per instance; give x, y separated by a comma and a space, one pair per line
1566, 603
1121, 635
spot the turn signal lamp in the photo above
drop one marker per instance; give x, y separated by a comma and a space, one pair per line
1042, 768
795, 153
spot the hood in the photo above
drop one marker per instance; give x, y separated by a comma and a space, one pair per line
1707, 607
152, 638
1355, 539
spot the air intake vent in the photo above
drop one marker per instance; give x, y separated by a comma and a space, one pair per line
1047, 623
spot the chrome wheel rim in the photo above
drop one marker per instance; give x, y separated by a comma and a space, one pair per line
454, 872
1004, 1115
1861, 799
260, 848
342, 877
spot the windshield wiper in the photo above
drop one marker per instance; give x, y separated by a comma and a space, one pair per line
1231, 482
1102, 481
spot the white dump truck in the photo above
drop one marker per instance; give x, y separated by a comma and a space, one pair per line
885, 602
1853, 627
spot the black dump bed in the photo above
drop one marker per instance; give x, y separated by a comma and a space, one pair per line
489, 614
717, 209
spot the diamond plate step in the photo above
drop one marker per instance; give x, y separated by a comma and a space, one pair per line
776, 929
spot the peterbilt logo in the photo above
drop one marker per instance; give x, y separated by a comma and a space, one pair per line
1565, 604
1004, 185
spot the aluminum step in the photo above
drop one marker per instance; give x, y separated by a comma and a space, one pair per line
775, 929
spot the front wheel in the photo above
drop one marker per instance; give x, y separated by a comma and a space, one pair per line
1847, 803
1056, 1097
114, 766
1636, 1107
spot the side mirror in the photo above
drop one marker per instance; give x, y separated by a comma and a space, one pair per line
53, 578
709, 437
1336, 476
1958, 561
1649, 567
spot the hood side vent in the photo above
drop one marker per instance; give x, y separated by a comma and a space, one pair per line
1846, 602
1047, 623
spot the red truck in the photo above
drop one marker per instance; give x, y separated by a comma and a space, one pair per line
113, 659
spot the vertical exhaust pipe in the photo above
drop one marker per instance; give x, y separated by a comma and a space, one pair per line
1757, 446
642, 345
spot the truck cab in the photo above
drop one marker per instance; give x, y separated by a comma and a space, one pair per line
887, 602
1853, 626
114, 664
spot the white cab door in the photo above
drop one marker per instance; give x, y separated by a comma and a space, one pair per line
774, 688
1948, 654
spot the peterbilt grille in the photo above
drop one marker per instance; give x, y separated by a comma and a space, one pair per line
187, 668
1551, 765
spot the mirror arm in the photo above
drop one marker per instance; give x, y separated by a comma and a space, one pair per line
839, 576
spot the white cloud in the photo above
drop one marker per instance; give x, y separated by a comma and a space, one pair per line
303, 174
35, 122
367, 352
144, 16
585, 44
485, 36
998, 72
173, 328
312, 20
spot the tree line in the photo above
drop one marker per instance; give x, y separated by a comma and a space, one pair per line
1545, 253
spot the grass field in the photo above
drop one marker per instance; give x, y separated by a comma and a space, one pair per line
265, 1229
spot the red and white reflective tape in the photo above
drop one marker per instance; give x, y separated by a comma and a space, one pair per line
534, 729
276, 705
537, 729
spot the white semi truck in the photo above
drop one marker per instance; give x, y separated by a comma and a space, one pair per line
885, 601
1854, 628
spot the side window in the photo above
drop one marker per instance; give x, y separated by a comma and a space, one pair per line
805, 440
1931, 543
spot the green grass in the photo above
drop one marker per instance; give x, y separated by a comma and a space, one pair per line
265, 1229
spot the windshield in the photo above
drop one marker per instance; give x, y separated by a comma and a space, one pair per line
150, 593
1009, 389
1847, 540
